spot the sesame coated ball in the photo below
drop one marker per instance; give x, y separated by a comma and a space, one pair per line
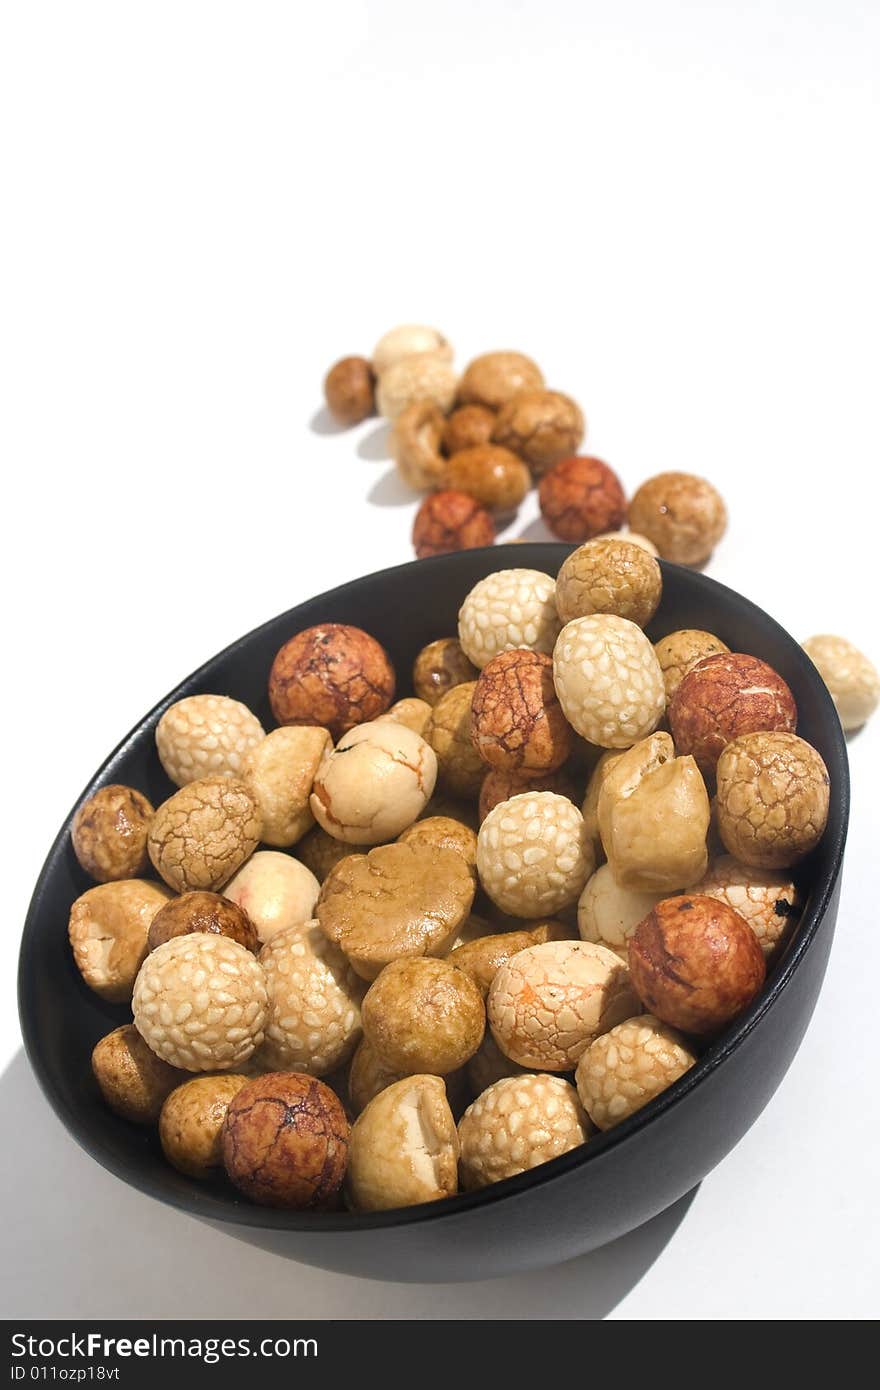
678, 653
628, 1066
285, 1142
517, 1123
767, 900
548, 1003
608, 576
204, 833
314, 1019
510, 608
375, 783
408, 340
683, 515
608, 680
581, 497
200, 1002
460, 769
724, 696
533, 855
333, 675
206, 736
109, 833
852, 680
517, 723
772, 799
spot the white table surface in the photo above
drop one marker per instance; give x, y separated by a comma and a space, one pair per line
674, 208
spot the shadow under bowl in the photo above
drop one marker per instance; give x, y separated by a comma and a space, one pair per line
577, 1202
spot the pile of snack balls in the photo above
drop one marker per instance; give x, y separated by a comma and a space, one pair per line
476, 443
397, 948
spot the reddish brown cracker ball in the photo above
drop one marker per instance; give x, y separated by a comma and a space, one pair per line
203, 912
349, 390
500, 785
109, 833
724, 696
448, 521
467, 427
517, 722
580, 498
333, 675
285, 1142
695, 963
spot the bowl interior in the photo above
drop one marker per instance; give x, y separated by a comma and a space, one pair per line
404, 608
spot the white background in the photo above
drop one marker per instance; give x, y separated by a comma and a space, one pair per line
674, 208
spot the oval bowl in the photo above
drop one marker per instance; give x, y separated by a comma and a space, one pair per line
575, 1203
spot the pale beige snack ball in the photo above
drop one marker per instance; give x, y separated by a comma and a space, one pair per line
852, 680
108, 929
275, 890
200, 1002
200, 836
609, 576
628, 1066
547, 1004
404, 1147
772, 799
413, 713
279, 773
191, 1123
533, 854
516, 1124
768, 901
314, 1018
608, 680
407, 340
426, 376
609, 914
633, 537
508, 609
375, 783
206, 736
678, 653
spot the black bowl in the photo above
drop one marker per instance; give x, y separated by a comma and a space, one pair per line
577, 1202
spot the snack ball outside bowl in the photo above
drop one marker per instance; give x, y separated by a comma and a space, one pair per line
516, 1124
285, 1142
494, 378
450, 520
581, 497
333, 675
206, 736
510, 608
608, 680
374, 784
852, 680
682, 514
408, 340
533, 854
200, 1002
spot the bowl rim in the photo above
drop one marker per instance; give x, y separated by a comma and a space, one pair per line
237, 1211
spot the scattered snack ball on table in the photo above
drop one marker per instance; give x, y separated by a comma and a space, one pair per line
540, 426
349, 390
493, 476
684, 516
852, 680
450, 520
581, 497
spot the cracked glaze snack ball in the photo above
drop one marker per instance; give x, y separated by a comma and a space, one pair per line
460, 769
493, 476
541, 426
724, 696
516, 1124
627, 1067
510, 608
450, 520
132, 1079
608, 576
609, 914
279, 773
285, 1142
772, 799
203, 912
608, 680
404, 1147
275, 890
695, 963
375, 783
852, 680
408, 340
634, 539
314, 1020
424, 376
333, 675
204, 833
768, 901
492, 379
548, 1003
414, 444
398, 900
439, 667
423, 1015
206, 736
683, 515
501, 785
191, 1123
517, 723
108, 931
349, 390
109, 833
200, 1002
467, 427
533, 855
679, 652
581, 497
